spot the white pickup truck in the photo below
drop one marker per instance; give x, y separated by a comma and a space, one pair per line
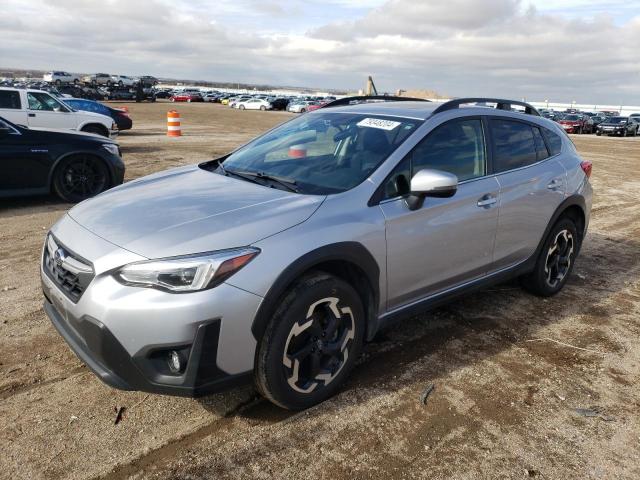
36, 108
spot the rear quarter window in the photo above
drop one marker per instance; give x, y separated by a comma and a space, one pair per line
554, 142
10, 99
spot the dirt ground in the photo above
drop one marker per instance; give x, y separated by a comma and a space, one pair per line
509, 369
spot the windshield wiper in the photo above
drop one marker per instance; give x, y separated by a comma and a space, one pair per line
287, 183
221, 166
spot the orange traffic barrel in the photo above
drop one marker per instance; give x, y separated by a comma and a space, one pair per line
173, 124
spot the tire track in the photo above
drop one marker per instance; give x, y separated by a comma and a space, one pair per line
11, 391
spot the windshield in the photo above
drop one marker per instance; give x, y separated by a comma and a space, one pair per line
572, 118
325, 152
617, 120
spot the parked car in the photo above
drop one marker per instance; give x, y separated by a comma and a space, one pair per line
300, 107
210, 97
635, 120
121, 117
617, 126
73, 165
36, 108
79, 91
233, 102
148, 80
60, 78
163, 93
187, 97
103, 79
121, 94
253, 104
279, 103
277, 262
577, 123
123, 81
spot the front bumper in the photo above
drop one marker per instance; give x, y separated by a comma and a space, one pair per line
99, 349
124, 334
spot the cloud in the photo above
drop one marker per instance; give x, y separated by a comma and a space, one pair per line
506, 48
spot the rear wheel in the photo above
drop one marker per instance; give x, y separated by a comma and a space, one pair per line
79, 177
263, 108
555, 263
311, 343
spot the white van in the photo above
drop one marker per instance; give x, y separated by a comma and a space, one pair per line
36, 108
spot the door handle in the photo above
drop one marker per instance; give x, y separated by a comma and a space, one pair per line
32, 114
487, 200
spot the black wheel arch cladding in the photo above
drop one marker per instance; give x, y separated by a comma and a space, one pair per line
346, 254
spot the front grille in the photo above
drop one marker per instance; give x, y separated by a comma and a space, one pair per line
70, 272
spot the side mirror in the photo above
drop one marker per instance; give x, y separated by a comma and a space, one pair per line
431, 183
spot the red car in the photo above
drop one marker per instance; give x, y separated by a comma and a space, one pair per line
187, 97
315, 106
577, 123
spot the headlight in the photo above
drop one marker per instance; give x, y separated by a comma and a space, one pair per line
112, 148
188, 273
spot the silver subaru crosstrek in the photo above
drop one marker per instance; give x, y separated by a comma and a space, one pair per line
278, 261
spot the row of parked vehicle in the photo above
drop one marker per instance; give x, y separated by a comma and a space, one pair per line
59, 78
600, 123
296, 104
138, 92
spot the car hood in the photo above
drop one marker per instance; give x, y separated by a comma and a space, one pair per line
55, 134
190, 210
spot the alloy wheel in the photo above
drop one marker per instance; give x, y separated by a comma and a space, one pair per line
558, 262
317, 347
82, 178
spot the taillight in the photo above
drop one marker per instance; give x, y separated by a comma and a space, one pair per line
586, 167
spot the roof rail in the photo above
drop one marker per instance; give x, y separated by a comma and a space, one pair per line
501, 104
376, 98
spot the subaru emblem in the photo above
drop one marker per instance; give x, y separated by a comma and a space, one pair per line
59, 257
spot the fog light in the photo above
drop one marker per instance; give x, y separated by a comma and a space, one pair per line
175, 362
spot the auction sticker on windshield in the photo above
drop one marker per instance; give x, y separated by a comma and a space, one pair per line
378, 123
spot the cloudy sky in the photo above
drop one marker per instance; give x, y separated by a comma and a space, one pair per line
561, 50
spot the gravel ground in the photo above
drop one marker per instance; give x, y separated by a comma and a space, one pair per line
509, 369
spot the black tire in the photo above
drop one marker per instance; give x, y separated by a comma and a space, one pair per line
97, 129
325, 345
555, 262
303, 110
79, 177
598, 134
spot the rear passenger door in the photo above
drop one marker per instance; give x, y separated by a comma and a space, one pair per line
532, 186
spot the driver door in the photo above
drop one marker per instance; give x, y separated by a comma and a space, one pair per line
46, 112
448, 241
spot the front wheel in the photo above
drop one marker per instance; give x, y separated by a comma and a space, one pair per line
263, 108
80, 177
312, 342
241, 107
555, 263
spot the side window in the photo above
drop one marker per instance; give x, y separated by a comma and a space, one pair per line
456, 147
44, 102
541, 148
514, 145
553, 140
9, 99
